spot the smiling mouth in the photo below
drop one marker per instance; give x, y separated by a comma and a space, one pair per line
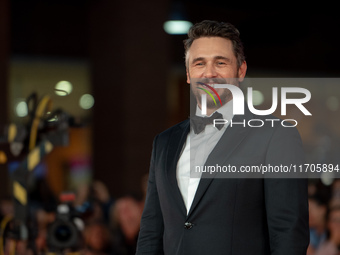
206, 84
211, 84
212, 89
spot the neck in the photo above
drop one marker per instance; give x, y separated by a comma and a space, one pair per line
209, 110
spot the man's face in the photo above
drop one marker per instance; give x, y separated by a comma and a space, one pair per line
316, 214
210, 59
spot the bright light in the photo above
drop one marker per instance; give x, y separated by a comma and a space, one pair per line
63, 88
86, 101
258, 97
177, 27
327, 178
21, 109
55, 118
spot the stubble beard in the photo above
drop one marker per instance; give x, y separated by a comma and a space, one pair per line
225, 96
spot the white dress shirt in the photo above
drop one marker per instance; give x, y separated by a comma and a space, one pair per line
196, 151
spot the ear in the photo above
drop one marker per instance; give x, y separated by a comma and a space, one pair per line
242, 71
188, 76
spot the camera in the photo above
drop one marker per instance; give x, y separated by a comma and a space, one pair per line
65, 232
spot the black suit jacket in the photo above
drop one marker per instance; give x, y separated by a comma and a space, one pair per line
228, 216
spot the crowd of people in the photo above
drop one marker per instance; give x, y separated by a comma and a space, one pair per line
324, 218
108, 226
111, 226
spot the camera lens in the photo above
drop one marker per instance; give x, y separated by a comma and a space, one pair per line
63, 233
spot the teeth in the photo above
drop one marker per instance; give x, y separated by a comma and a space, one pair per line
209, 84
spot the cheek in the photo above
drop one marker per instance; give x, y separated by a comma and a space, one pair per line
229, 72
196, 72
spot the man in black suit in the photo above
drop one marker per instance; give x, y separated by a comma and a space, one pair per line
184, 215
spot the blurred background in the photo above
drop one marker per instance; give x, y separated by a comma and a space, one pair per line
116, 70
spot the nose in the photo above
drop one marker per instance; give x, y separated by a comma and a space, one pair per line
210, 71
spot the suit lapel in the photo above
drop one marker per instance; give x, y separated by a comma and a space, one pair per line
229, 141
177, 140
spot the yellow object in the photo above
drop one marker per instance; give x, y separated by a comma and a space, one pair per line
34, 156
45, 105
3, 225
48, 147
33, 159
3, 157
12, 132
20, 193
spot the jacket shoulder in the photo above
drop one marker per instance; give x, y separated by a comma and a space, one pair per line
184, 125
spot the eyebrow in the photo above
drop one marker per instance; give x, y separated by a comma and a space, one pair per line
215, 58
223, 58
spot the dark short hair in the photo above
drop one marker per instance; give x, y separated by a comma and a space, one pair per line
209, 28
319, 198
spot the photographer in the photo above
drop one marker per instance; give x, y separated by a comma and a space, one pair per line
332, 244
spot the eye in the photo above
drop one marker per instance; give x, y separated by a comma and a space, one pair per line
221, 63
199, 64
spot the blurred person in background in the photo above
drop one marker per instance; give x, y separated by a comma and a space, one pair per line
98, 240
331, 246
125, 220
93, 201
317, 221
102, 195
43, 219
335, 198
42, 204
6, 207
126, 216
